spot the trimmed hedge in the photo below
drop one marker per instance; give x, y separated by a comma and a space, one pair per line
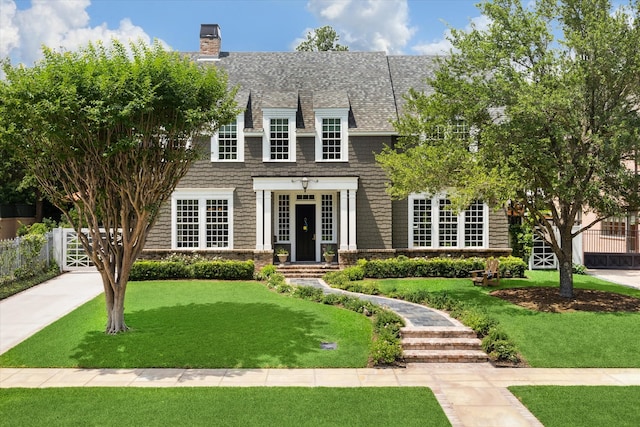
218, 269
438, 267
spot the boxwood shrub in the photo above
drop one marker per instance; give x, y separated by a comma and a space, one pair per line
223, 270
438, 267
159, 270
218, 269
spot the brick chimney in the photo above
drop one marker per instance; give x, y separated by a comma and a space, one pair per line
210, 40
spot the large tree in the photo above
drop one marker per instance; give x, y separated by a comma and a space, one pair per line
107, 130
551, 96
322, 39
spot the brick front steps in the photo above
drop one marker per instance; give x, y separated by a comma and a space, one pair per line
441, 344
306, 270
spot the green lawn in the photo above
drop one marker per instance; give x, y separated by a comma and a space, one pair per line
261, 406
201, 324
581, 406
577, 339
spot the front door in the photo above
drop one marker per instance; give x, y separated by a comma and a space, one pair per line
305, 232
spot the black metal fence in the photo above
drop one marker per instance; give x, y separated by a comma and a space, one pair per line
611, 241
606, 248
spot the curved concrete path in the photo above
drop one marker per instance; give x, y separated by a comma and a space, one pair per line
470, 394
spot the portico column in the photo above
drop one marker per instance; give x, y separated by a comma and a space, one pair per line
267, 220
263, 220
352, 220
344, 220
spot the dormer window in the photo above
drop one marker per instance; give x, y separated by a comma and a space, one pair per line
227, 144
278, 143
332, 135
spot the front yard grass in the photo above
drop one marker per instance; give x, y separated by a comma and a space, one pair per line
570, 339
201, 324
581, 406
252, 406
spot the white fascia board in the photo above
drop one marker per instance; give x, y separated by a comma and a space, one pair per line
353, 132
204, 192
294, 183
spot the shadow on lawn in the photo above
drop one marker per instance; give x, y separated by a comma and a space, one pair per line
216, 335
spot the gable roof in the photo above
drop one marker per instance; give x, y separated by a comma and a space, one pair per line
369, 84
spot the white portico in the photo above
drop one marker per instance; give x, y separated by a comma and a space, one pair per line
305, 213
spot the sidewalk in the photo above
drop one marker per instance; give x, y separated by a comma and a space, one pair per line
471, 395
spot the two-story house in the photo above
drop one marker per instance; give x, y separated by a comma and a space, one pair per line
297, 169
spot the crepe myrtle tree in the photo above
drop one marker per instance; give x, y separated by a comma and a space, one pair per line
107, 131
550, 95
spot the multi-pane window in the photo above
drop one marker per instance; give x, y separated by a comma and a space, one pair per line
228, 142
474, 225
202, 219
613, 227
447, 225
332, 134
327, 217
187, 223
217, 223
458, 129
331, 139
421, 222
279, 139
433, 224
284, 219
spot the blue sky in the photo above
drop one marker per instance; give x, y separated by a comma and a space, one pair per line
395, 26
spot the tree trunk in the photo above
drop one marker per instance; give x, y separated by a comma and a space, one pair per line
114, 298
565, 258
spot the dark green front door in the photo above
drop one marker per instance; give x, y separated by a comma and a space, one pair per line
305, 232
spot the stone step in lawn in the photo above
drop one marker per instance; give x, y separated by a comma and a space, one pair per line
441, 344
445, 356
437, 332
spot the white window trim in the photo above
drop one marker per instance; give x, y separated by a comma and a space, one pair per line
215, 146
333, 113
202, 195
435, 223
278, 113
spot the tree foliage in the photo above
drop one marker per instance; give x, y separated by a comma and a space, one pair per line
551, 95
107, 132
322, 39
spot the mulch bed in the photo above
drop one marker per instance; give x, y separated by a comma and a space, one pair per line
549, 300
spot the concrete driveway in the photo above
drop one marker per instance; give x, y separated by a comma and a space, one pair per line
621, 277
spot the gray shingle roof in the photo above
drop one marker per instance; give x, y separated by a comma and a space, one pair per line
371, 84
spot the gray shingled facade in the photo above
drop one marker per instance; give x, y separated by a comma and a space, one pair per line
370, 85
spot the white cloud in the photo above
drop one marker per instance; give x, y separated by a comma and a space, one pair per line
443, 45
9, 33
56, 24
371, 25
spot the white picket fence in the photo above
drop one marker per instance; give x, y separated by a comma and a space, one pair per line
18, 253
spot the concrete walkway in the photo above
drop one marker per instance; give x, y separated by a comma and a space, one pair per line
470, 394
414, 314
